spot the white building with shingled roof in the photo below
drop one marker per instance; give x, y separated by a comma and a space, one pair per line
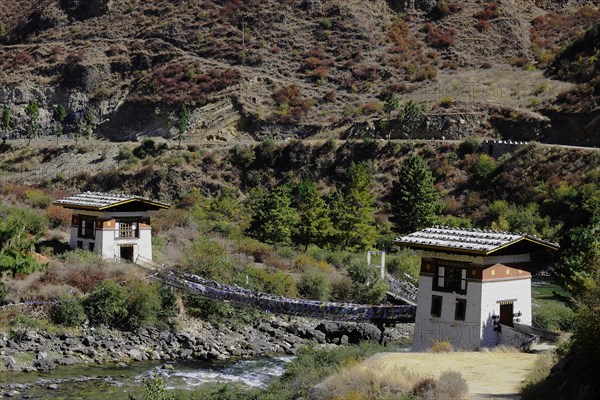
114, 226
472, 284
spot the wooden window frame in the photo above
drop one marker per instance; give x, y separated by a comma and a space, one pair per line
460, 310
450, 277
127, 230
436, 306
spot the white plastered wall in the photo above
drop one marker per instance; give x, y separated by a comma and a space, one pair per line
462, 334
492, 293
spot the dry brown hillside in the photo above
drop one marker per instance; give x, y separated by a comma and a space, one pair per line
292, 68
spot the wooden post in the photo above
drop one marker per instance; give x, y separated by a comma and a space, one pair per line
381, 266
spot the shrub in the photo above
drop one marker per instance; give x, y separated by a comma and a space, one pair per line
341, 289
490, 10
175, 83
23, 322
292, 105
326, 23
330, 96
452, 386
209, 260
126, 155
107, 305
552, 316
443, 8
311, 365
439, 37
404, 264
207, 309
252, 247
15, 220
305, 262
441, 346
271, 281
469, 146
85, 278
68, 312
144, 304
541, 88
147, 148
37, 198
447, 101
367, 287
315, 285
533, 385
58, 216
424, 388
485, 167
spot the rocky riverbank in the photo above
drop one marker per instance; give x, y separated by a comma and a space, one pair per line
41, 351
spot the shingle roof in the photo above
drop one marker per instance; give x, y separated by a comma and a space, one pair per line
101, 201
479, 241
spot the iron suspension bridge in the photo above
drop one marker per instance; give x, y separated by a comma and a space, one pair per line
197, 285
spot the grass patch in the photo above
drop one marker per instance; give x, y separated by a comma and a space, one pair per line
534, 386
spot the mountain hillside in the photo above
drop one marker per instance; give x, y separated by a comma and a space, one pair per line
298, 68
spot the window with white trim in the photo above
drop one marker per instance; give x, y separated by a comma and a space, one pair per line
450, 277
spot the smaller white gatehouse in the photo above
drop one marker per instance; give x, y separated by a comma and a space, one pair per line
114, 226
472, 284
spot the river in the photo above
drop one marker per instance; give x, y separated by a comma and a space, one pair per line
100, 382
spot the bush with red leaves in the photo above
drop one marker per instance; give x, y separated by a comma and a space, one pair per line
185, 83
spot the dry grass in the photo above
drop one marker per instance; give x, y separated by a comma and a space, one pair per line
488, 374
539, 371
370, 380
441, 346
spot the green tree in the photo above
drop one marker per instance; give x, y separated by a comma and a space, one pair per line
107, 305
314, 284
273, 217
485, 168
314, 225
224, 214
33, 126
410, 113
144, 304
579, 267
68, 312
208, 259
183, 121
525, 218
392, 102
5, 122
85, 126
367, 286
58, 116
414, 200
19, 231
352, 211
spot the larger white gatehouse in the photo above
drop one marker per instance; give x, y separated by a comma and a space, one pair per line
114, 226
472, 284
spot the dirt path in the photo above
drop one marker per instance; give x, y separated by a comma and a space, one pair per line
490, 375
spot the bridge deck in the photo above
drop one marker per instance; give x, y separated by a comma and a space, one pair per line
283, 305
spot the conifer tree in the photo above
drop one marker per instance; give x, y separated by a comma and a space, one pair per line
59, 115
314, 226
352, 211
5, 122
183, 121
414, 200
273, 217
33, 112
